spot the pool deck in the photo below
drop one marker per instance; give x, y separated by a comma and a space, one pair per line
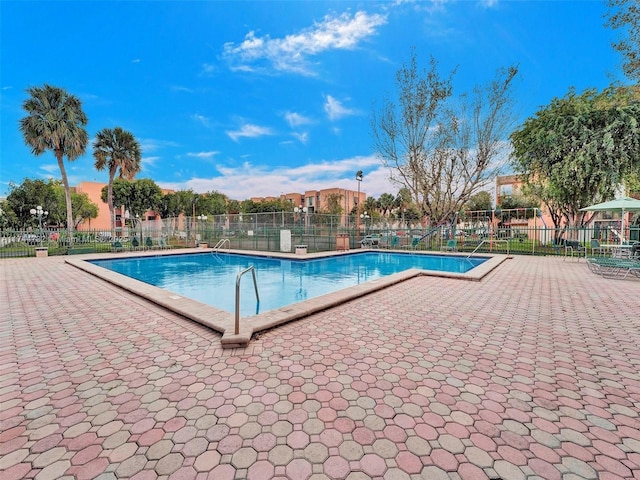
533, 372
237, 332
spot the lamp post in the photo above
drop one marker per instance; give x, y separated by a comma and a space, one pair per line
365, 217
359, 176
202, 219
300, 210
39, 213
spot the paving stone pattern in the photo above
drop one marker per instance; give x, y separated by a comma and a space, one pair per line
532, 373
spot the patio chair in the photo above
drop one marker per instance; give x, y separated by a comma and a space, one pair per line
414, 244
611, 267
395, 242
451, 246
574, 247
148, 243
135, 243
162, 243
117, 246
596, 247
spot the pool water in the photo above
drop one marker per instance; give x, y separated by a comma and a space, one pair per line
211, 277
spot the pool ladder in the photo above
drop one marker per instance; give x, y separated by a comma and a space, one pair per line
255, 285
220, 244
490, 242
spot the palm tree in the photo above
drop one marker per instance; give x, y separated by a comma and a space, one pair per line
55, 122
116, 149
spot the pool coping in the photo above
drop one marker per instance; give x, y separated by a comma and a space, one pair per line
224, 322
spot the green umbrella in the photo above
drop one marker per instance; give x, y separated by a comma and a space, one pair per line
623, 205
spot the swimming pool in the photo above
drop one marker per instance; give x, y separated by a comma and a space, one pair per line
210, 277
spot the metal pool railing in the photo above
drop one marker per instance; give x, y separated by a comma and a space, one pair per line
255, 285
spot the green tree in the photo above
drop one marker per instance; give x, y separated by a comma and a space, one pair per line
55, 122
30, 193
145, 195
479, 201
334, 204
117, 150
442, 149
386, 202
577, 150
624, 16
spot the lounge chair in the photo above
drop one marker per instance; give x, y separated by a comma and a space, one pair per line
148, 243
162, 243
395, 242
117, 246
611, 267
135, 243
451, 246
596, 247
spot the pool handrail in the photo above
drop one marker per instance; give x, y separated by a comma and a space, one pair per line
221, 242
490, 241
255, 285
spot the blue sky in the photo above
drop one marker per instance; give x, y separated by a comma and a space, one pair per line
257, 98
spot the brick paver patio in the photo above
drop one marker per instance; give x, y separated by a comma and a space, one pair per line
532, 373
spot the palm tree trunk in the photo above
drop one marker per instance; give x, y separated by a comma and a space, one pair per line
67, 195
112, 219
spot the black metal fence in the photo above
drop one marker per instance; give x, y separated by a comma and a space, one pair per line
283, 231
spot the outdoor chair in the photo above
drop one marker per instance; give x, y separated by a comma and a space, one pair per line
596, 247
611, 267
451, 246
414, 244
574, 247
395, 242
135, 243
117, 246
148, 243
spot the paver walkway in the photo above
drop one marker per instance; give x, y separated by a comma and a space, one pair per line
532, 373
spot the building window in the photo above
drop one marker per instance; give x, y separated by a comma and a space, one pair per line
506, 190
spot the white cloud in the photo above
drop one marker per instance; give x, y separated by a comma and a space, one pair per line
201, 119
248, 180
149, 161
206, 155
290, 54
295, 119
335, 110
303, 137
150, 144
248, 130
207, 69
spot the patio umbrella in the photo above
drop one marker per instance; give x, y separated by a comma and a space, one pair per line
623, 205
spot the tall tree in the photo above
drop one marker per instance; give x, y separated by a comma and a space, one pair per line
443, 149
55, 122
386, 202
117, 150
578, 149
624, 16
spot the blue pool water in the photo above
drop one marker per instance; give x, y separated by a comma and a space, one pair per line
211, 278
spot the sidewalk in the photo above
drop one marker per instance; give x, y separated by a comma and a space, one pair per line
532, 373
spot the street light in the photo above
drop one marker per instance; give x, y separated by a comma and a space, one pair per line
359, 176
39, 214
300, 210
365, 216
202, 219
